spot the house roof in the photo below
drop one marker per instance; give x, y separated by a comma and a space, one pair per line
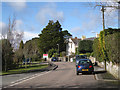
75, 40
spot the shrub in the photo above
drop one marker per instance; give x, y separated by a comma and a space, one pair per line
106, 47
62, 54
112, 47
51, 52
85, 46
97, 50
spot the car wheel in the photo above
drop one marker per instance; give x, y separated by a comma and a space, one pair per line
93, 72
77, 73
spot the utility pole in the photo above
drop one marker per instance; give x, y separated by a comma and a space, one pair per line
103, 20
103, 10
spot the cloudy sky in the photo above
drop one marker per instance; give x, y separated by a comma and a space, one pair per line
79, 18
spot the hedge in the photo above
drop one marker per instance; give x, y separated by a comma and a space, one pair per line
112, 44
85, 46
97, 50
106, 47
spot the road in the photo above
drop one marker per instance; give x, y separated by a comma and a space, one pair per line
63, 77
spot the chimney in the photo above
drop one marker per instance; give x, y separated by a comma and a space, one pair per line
83, 37
75, 37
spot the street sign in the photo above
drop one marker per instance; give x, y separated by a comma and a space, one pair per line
45, 56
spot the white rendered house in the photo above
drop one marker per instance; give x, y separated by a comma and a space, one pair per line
72, 45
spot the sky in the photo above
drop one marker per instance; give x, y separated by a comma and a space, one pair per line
79, 18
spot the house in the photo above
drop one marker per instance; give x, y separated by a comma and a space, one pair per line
72, 45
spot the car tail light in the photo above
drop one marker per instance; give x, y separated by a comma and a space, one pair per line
90, 66
79, 67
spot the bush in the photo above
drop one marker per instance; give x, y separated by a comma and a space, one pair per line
7, 55
97, 50
85, 46
106, 47
88, 54
62, 54
112, 47
55, 55
51, 52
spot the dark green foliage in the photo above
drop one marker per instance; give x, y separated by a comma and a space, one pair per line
7, 55
88, 54
51, 52
19, 55
111, 31
85, 46
31, 49
97, 50
76, 51
51, 36
66, 33
21, 45
106, 47
112, 43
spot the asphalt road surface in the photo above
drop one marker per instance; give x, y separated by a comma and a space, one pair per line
63, 77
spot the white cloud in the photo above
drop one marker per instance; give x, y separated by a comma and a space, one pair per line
19, 24
18, 5
3, 29
29, 35
49, 12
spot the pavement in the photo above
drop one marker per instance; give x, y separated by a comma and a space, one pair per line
101, 74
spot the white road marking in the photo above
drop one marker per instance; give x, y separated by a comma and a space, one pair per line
24, 78
34, 76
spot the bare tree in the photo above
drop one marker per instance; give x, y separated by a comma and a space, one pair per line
13, 35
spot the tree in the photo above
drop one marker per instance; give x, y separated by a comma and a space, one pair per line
31, 49
19, 53
51, 36
13, 35
51, 52
66, 33
7, 55
85, 46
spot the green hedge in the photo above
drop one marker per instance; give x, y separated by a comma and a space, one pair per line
85, 46
112, 44
97, 50
106, 47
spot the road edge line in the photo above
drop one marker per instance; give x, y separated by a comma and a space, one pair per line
27, 79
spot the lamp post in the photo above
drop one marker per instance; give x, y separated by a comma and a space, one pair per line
58, 49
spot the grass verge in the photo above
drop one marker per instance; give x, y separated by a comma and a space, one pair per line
24, 70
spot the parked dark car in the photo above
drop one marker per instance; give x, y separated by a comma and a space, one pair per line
79, 57
54, 59
84, 66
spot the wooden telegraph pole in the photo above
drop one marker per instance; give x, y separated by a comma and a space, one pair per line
103, 19
103, 10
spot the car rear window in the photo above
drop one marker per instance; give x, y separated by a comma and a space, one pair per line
82, 62
81, 56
